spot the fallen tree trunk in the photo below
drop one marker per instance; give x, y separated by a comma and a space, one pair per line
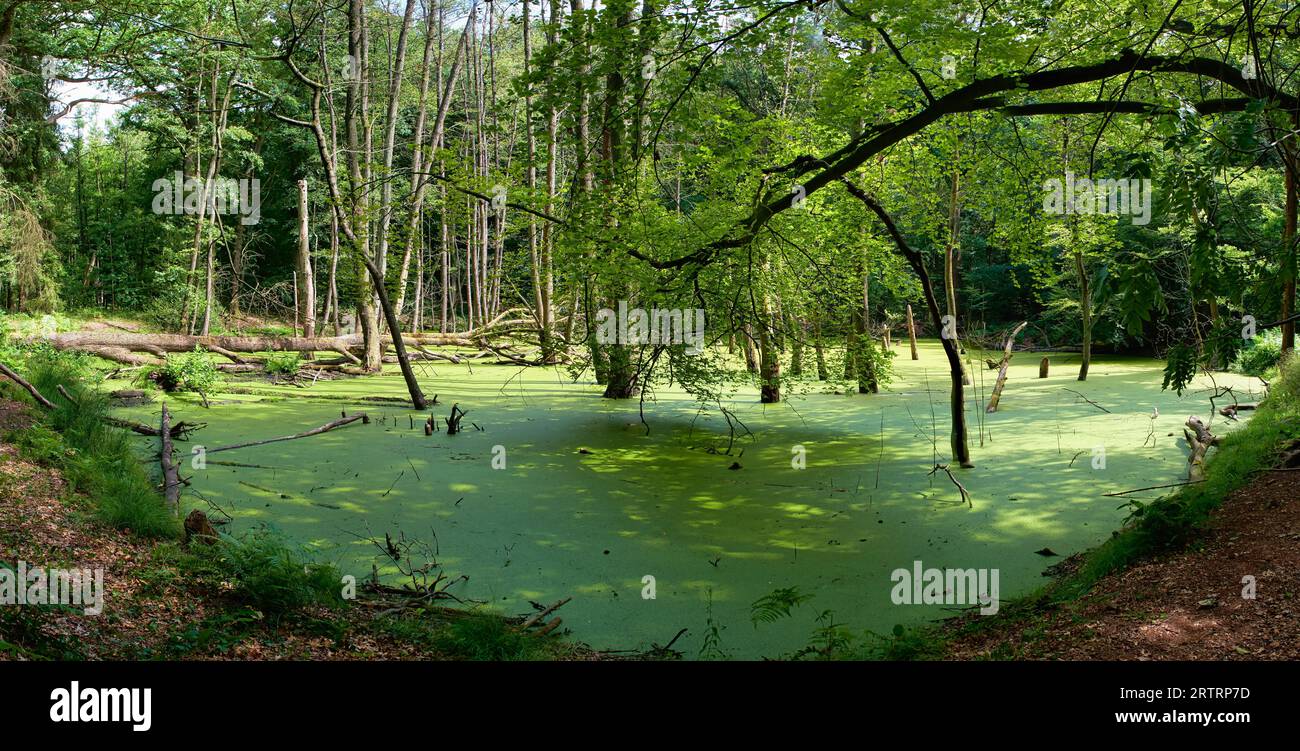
229, 345
362, 416
1203, 433
1002, 368
117, 354
40, 399
1232, 410
131, 425
171, 477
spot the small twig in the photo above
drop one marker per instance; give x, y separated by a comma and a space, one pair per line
1086, 399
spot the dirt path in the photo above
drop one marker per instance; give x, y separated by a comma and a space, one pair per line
1184, 606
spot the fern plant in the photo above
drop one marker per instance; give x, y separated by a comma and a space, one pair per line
776, 605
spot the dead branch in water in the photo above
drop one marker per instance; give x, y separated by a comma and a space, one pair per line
965, 494
1086, 399
1152, 487
537, 617
362, 416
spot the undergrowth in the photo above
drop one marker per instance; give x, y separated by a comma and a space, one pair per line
95, 457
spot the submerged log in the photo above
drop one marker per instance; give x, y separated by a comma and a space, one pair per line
540, 615
1232, 409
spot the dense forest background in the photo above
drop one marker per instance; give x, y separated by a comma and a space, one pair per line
803, 171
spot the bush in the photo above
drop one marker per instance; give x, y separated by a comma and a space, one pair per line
1262, 355
191, 372
283, 363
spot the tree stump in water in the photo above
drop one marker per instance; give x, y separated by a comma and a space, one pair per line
1002, 369
453, 421
1042, 367
911, 331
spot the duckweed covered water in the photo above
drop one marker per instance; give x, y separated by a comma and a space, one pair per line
588, 504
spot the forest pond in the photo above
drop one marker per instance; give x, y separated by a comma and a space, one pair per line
588, 504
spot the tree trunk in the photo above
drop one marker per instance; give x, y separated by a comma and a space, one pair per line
796, 350
769, 367
751, 351
1085, 310
306, 281
957, 438
911, 331
819, 350
1289, 239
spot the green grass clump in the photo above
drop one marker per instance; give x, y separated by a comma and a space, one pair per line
484, 637
94, 456
262, 569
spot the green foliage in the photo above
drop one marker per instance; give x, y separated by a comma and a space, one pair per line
484, 637
23, 636
1262, 355
95, 457
216, 634
1181, 363
776, 605
283, 363
266, 571
193, 372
